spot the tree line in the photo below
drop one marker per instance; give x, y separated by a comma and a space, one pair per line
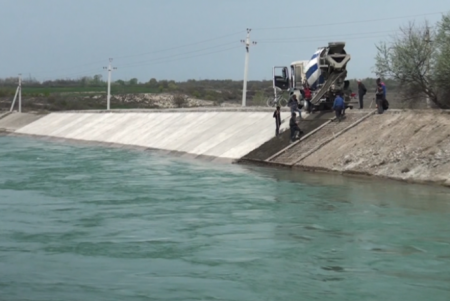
207, 89
418, 59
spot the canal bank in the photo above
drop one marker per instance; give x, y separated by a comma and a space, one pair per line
411, 146
225, 134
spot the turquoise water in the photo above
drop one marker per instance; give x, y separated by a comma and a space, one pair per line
92, 223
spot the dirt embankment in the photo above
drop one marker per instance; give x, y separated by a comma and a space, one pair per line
404, 145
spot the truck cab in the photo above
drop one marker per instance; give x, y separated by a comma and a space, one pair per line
281, 78
290, 78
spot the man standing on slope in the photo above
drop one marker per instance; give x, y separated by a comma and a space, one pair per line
293, 104
294, 127
379, 96
379, 82
277, 117
361, 92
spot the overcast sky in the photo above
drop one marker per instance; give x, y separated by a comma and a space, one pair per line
192, 39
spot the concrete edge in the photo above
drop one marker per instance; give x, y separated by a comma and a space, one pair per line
121, 146
4, 115
231, 109
181, 110
346, 173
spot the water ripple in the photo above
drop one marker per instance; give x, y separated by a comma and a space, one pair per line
89, 223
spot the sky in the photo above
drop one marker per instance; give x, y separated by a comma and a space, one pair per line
193, 39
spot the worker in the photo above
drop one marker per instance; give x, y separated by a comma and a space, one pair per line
293, 125
383, 86
361, 92
385, 101
277, 117
339, 107
379, 96
293, 104
308, 97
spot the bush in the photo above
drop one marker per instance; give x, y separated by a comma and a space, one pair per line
419, 60
6, 92
51, 99
179, 100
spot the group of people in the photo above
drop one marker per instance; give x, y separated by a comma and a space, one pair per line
293, 123
295, 107
380, 95
338, 106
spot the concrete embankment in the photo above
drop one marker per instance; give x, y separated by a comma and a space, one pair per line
404, 145
13, 121
216, 134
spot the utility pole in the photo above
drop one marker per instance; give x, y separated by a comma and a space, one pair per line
18, 92
247, 47
427, 72
108, 99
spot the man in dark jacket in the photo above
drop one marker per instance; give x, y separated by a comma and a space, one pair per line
379, 96
379, 82
361, 92
293, 125
385, 102
277, 117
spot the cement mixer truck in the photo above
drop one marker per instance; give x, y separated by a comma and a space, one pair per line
324, 73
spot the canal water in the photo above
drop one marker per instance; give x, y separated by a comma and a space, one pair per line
92, 223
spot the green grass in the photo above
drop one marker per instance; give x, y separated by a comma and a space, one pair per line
85, 90
47, 91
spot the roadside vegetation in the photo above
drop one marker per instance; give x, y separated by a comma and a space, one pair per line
418, 58
90, 92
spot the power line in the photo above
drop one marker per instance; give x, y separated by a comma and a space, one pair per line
264, 41
70, 68
154, 62
182, 58
76, 73
321, 40
142, 54
169, 57
327, 36
349, 22
181, 46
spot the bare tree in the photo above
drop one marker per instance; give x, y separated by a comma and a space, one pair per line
410, 58
442, 59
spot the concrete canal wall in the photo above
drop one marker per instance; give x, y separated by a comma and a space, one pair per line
228, 135
403, 145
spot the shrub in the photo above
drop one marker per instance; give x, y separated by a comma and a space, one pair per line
179, 100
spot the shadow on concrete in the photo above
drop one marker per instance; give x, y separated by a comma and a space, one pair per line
276, 144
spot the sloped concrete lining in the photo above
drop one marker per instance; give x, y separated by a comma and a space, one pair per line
12, 122
3, 115
228, 135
